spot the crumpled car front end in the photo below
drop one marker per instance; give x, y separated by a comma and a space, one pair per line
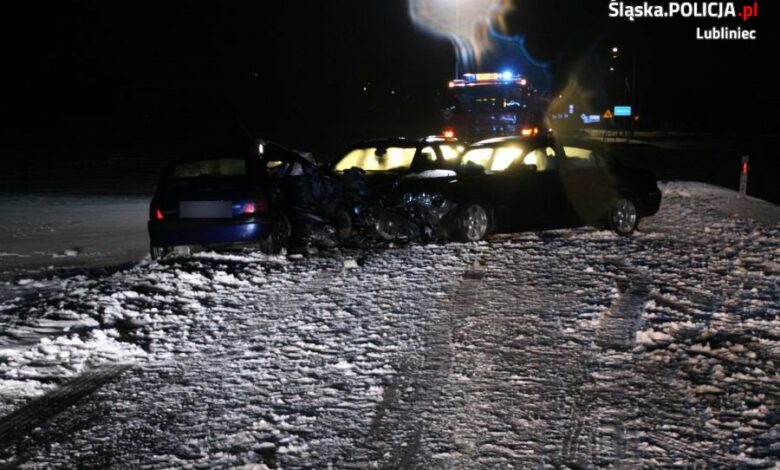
431, 213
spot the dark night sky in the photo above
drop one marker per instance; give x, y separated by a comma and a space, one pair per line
177, 75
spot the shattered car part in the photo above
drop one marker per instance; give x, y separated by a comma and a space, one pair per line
371, 215
311, 198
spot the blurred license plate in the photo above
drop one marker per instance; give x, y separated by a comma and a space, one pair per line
205, 209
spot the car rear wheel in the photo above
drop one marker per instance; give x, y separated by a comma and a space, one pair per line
158, 252
279, 237
623, 217
472, 223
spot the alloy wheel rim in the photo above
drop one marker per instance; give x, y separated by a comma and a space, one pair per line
624, 216
475, 223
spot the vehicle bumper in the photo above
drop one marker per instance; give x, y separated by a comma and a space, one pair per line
209, 231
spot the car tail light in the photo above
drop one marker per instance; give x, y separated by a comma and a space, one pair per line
255, 205
155, 212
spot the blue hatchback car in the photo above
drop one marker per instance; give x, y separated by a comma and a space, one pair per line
215, 200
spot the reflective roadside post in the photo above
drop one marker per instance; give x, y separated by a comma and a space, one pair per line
743, 177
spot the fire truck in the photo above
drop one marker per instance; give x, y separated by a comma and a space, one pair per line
483, 105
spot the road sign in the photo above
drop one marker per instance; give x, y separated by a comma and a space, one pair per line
590, 118
608, 114
622, 111
744, 175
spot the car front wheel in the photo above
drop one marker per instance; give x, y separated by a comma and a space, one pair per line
623, 216
472, 223
343, 224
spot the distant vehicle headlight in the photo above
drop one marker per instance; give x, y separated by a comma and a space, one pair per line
408, 198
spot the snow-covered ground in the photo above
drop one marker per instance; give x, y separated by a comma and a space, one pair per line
53, 232
569, 348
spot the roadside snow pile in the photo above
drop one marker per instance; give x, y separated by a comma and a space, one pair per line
712, 320
52, 360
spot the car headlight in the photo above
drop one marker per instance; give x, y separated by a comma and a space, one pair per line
425, 199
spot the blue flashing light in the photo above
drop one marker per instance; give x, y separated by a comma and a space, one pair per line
507, 75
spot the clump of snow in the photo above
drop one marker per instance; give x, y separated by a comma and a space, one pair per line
350, 263
652, 337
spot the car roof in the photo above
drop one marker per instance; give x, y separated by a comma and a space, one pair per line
496, 141
248, 152
386, 142
403, 142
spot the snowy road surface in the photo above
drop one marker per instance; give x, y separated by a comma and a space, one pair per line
58, 232
571, 348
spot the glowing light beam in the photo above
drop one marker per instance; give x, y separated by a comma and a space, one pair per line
464, 22
476, 28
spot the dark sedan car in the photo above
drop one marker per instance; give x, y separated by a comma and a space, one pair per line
216, 199
515, 183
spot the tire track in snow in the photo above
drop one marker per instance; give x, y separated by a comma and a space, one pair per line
409, 400
515, 378
295, 368
601, 407
593, 383
618, 326
16, 429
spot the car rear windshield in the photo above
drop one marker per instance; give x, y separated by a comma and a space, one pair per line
378, 159
214, 168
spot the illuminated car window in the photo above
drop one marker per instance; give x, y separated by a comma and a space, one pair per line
580, 157
505, 157
451, 152
537, 158
480, 157
218, 167
552, 161
429, 154
374, 159
543, 158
